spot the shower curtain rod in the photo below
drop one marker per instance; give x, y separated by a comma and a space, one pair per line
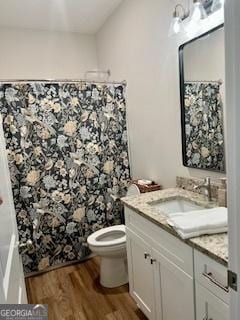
62, 80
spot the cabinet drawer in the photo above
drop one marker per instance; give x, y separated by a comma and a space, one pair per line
212, 275
167, 244
208, 306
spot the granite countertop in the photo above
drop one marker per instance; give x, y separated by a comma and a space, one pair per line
215, 246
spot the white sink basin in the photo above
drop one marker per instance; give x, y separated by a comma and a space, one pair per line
176, 205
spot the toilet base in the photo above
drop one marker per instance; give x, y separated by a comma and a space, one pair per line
113, 272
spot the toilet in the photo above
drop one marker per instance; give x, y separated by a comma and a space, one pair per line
110, 244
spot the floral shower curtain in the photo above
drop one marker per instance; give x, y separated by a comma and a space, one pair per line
68, 157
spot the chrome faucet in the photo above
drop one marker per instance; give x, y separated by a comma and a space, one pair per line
206, 185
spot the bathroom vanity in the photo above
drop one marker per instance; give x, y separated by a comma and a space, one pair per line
171, 278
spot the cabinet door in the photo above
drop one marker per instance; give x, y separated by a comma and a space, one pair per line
210, 307
174, 290
141, 273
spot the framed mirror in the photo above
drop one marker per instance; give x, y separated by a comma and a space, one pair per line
202, 74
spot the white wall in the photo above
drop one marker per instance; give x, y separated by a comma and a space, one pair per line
44, 54
134, 44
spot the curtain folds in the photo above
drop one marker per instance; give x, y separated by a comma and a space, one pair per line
68, 154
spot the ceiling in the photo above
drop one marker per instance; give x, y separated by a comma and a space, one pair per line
84, 16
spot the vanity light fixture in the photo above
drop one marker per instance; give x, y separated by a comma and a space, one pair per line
217, 4
176, 24
198, 12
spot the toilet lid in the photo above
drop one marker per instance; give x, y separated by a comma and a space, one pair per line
133, 190
109, 236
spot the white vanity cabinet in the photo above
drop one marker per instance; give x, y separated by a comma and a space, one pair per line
168, 279
160, 270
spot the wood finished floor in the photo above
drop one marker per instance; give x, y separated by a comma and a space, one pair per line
74, 293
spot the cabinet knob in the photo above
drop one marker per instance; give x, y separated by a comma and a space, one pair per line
146, 255
153, 260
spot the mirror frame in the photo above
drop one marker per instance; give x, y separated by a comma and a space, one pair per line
182, 100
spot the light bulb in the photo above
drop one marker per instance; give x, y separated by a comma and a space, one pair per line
198, 11
175, 26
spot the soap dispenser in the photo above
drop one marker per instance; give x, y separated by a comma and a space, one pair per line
222, 193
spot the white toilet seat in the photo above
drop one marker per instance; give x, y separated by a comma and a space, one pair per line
108, 237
